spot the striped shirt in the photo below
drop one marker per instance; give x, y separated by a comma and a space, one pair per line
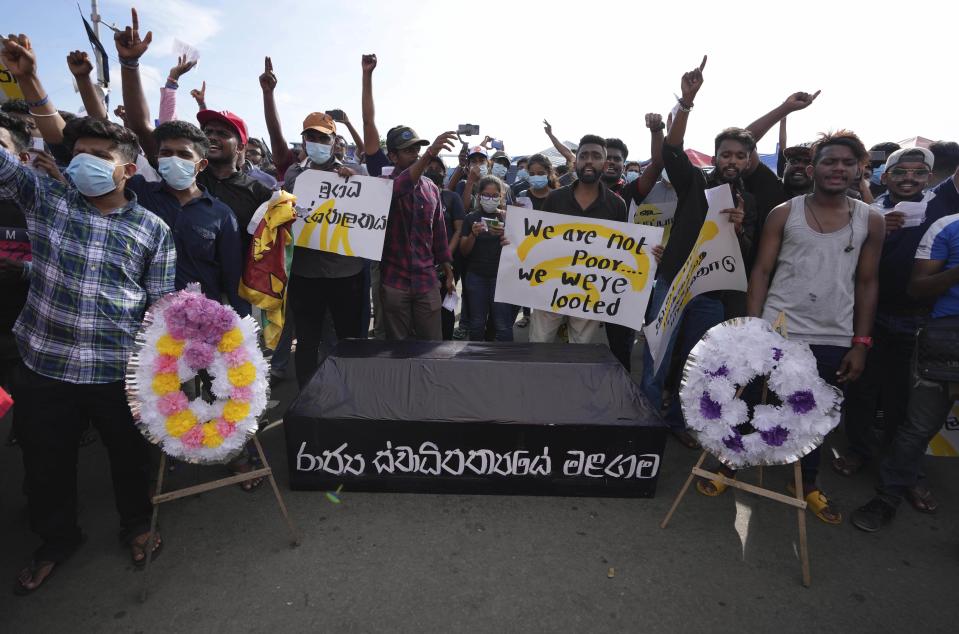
941, 242
92, 279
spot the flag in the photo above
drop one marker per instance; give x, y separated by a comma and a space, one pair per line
266, 272
103, 62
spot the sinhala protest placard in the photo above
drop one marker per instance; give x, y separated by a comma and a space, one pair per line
581, 267
341, 216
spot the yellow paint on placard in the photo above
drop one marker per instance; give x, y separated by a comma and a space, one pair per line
9, 85
336, 240
709, 231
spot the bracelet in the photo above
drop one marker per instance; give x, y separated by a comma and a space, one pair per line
129, 62
682, 105
42, 102
44, 114
866, 341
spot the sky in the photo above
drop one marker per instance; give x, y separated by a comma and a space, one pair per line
588, 67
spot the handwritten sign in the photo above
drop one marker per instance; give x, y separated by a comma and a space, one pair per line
9, 88
341, 216
581, 267
714, 263
653, 214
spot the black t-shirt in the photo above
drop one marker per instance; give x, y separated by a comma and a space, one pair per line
484, 258
241, 193
537, 202
452, 210
14, 245
607, 206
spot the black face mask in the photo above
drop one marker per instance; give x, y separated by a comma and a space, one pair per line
436, 178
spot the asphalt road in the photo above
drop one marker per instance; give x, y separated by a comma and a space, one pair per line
449, 563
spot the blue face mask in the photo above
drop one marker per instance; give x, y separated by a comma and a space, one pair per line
177, 172
522, 175
93, 176
483, 171
876, 178
499, 171
318, 152
538, 181
631, 176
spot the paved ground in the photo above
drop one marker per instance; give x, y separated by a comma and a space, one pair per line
430, 563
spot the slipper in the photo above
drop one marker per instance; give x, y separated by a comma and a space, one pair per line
140, 549
848, 465
711, 488
819, 504
922, 499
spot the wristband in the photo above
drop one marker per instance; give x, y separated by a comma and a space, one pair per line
132, 62
42, 102
683, 105
866, 341
172, 83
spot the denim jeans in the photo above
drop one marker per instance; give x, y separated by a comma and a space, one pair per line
700, 314
480, 291
929, 404
828, 360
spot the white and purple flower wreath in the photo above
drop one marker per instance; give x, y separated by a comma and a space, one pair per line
800, 407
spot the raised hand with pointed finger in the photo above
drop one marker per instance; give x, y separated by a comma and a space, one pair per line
268, 77
199, 94
692, 82
800, 100
130, 46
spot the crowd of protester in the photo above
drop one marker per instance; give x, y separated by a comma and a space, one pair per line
117, 215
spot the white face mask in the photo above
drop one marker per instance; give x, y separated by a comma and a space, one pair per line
489, 204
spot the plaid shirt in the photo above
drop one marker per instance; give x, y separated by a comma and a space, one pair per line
415, 236
92, 279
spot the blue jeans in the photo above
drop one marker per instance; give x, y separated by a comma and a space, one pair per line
480, 291
700, 314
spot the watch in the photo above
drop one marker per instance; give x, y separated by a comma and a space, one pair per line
866, 341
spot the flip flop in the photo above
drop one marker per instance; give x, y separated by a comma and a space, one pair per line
922, 499
136, 548
819, 504
717, 487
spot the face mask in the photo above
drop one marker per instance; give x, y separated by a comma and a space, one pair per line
522, 175
489, 204
93, 176
177, 172
499, 171
876, 178
538, 182
483, 171
631, 176
318, 152
436, 178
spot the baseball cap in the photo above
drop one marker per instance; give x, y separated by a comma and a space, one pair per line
319, 121
224, 116
803, 149
402, 137
499, 154
909, 155
479, 149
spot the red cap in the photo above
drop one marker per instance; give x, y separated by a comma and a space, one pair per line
227, 117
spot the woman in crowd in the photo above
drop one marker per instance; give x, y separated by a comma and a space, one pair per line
480, 245
542, 180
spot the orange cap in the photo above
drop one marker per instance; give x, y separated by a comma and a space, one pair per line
319, 121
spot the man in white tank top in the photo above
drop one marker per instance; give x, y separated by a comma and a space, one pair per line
824, 248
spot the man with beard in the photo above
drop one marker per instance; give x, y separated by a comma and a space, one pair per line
733, 150
415, 244
886, 381
817, 263
589, 198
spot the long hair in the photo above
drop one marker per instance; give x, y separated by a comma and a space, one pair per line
544, 162
488, 180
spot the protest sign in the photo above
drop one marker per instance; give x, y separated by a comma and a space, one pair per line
341, 216
9, 88
654, 214
714, 263
581, 267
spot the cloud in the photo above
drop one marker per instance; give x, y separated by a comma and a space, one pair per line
189, 22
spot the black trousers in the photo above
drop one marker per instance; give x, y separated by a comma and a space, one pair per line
621, 339
310, 297
51, 416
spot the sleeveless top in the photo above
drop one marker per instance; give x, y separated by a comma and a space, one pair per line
815, 279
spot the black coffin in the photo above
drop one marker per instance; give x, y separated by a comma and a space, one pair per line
542, 419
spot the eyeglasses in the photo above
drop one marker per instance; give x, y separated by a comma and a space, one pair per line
899, 172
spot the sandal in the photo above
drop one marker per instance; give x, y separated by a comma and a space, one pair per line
247, 465
27, 576
686, 439
712, 488
848, 465
138, 549
819, 504
922, 499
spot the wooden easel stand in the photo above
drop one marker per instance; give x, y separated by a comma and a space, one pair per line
265, 472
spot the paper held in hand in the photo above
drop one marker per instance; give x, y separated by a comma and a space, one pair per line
714, 263
580, 267
341, 216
